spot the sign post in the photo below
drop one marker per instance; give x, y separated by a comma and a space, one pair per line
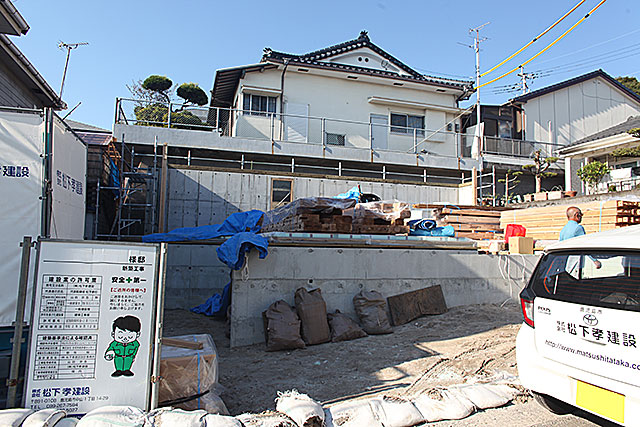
95, 324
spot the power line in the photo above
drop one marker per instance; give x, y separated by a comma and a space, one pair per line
534, 39
546, 48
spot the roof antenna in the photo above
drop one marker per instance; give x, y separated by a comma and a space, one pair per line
69, 47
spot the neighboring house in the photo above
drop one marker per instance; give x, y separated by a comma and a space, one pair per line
353, 94
625, 171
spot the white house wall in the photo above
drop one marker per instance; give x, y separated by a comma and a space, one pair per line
340, 98
577, 111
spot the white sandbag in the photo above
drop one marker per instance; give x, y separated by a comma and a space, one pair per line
266, 419
67, 422
357, 413
166, 417
395, 412
302, 409
14, 417
44, 418
486, 396
453, 406
110, 416
215, 420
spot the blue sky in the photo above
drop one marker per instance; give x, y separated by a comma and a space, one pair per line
188, 40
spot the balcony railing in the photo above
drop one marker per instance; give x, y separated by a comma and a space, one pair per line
328, 132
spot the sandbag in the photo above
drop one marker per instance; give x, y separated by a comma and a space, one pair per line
215, 420
282, 327
371, 308
67, 422
266, 419
302, 409
14, 417
44, 418
343, 328
452, 406
109, 416
486, 396
356, 413
395, 412
167, 417
312, 312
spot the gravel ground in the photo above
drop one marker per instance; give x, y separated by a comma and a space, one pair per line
473, 341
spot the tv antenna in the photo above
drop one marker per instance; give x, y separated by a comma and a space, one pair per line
69, 47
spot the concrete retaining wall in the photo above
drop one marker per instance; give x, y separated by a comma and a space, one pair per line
466, 278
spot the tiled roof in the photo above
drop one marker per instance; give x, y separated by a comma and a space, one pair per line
573, 81
316, 59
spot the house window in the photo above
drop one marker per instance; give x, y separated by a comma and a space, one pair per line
404, 123
259, 105
335, 139
281, 192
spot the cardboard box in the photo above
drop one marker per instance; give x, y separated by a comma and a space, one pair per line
537, 197
521, 245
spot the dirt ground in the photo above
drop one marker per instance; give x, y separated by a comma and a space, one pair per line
440, 350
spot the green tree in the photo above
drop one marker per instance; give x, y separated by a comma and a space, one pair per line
630, 82
158, 84
539, 168
192, 94
592, 173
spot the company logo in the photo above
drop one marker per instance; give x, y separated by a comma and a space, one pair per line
544, 310
590, 319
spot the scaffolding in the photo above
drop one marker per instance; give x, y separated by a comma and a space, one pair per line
126, 206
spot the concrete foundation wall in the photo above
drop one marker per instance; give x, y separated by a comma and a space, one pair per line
203, 197
466, 278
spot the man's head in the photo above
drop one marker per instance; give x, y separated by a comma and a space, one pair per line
126, 329
574, 214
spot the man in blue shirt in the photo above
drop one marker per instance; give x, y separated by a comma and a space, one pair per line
574, 229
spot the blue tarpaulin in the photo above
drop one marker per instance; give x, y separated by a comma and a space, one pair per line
217, 304
446, 231
232, 251
236, 223
354, 193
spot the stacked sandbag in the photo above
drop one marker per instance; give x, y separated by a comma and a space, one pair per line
343, 328
312, 311
302, 409
14, 417
44, 417
371, 308
282, 327
356, 413
177, 417
215, 420
266, 419
486, 396
109, 416
395, 412
449, 405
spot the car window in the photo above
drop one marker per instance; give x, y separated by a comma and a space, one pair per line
604, 279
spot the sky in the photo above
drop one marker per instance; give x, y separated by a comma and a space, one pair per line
189, 40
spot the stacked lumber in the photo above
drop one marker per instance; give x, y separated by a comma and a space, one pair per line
545, 223
380, 218
306, 220
474, 222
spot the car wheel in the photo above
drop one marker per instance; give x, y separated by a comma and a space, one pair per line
552, 404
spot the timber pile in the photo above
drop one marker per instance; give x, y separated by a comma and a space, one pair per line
546, 222
473, 222
380, 218
306, 219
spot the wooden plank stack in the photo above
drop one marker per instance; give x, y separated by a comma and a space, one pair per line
545, 223
307, 219
380, 218
474, 222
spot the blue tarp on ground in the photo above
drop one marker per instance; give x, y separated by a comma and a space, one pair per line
217, 304
236, 223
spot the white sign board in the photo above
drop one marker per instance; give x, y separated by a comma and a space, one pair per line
21, 177
68, 183
93, 329
595, 339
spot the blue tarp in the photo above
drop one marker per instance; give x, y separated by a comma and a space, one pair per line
232, 251
217, 304
353, 193
446, 231
236, 223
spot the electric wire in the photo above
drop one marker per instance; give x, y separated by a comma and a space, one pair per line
546, 48
534, 39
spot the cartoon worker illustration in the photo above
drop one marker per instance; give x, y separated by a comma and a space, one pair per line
124, 347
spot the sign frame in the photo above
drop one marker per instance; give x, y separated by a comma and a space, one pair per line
155, 325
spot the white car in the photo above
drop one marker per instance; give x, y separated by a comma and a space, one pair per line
579, 345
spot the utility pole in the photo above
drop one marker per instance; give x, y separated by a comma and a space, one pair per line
524, 76
69, 47
476, 47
